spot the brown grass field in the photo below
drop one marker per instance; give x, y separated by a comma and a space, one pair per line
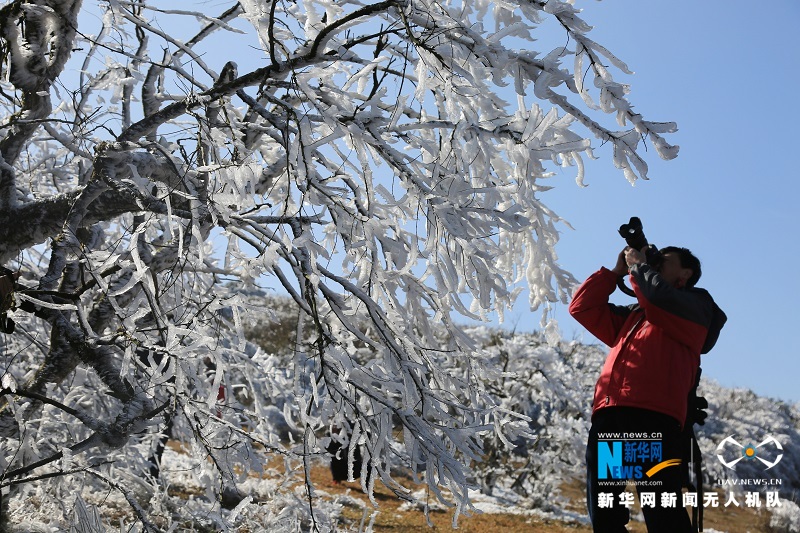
392, 519
391, 516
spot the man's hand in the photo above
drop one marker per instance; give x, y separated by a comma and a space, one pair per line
634, 257
626, 259
621, 268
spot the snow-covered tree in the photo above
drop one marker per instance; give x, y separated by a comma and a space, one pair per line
381, 163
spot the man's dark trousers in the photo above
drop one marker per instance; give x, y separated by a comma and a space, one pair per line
631, 420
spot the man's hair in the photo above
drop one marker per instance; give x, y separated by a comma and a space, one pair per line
688, 260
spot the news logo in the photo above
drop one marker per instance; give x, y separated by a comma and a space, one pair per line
769, 452
631, 456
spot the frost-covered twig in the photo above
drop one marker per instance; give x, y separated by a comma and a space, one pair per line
138, 510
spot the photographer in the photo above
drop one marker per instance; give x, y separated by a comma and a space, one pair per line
648, 374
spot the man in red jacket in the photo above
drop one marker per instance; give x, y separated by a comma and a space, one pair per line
640, 400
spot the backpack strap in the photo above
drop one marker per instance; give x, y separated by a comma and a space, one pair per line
695, 414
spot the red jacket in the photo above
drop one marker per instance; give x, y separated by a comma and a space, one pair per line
655, 343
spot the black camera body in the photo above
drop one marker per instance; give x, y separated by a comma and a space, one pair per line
633, 233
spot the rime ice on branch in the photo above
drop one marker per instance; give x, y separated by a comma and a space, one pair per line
383, 164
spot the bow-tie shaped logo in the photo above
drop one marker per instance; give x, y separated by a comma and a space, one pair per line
730, 452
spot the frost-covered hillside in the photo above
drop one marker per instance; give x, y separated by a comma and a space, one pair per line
553, 385
550, 383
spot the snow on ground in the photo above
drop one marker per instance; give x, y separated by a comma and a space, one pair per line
558, 386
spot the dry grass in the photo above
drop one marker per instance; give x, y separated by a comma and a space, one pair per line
391, 516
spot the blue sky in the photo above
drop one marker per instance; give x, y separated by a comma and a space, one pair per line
727, 73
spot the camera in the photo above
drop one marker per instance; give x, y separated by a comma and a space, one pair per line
633, 233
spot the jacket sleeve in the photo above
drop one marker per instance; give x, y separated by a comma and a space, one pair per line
685, 315
591, 309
